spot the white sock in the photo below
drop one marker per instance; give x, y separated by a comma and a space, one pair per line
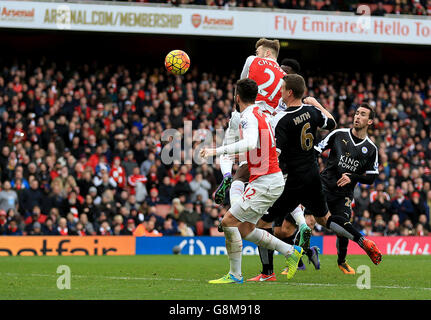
236, 191
298, 215
234, 250
226, 164
264, 239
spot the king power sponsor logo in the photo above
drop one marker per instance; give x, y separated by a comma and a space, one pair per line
208, 22
12, 14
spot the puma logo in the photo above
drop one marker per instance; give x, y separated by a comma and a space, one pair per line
345, 141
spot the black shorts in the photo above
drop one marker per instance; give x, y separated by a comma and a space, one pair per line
339, 205
303, 189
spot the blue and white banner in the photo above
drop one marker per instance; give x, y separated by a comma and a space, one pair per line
197, 245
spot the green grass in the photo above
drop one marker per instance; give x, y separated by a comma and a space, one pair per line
185, 278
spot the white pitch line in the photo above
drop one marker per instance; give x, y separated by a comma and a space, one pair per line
96, 276
195, 280
353, 285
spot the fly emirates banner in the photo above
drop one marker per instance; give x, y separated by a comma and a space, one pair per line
213, 22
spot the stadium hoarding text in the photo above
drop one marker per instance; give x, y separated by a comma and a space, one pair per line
205, 245
205, 22
387, 245
326, 244
196, 245
66, 245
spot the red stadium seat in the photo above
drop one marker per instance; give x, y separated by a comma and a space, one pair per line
199, 228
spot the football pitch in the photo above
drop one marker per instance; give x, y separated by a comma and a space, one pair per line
182, 277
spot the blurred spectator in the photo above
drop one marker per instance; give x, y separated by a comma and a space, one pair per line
8, 197
391, 229
147, 164
381, 206
118, 221
13, 229
211, 221
182, 187
402, 206
328, 6
366, 223
418, 207
153, 199
129, 163
157, 219
380, 10
80, 229
104, 229
379, 226
176, 210
170, 227
418, 8
420, 231
49, 229
36, 229
166, 191
185, 230
31, 197
62, 228
130, 228
425, 223
361, 203
408, 227
201, 187
3, 222
36, 215
301, 5
147, 229
87, 226
190, 216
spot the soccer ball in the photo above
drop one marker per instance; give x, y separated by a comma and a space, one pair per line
177, 62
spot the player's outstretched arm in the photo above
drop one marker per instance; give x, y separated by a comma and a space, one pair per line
249, 142
312, 101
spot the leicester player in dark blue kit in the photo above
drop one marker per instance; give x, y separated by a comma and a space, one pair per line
295, 131
353, 158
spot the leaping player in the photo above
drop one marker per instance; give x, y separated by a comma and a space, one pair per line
266, 184
266, 72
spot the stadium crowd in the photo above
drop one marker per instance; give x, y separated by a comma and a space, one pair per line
377, 7
81, 149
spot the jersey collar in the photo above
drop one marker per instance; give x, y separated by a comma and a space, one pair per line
353, 141
249, 107
289, 109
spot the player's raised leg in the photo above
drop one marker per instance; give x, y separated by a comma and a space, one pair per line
342, 227
226, 161
304, 229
